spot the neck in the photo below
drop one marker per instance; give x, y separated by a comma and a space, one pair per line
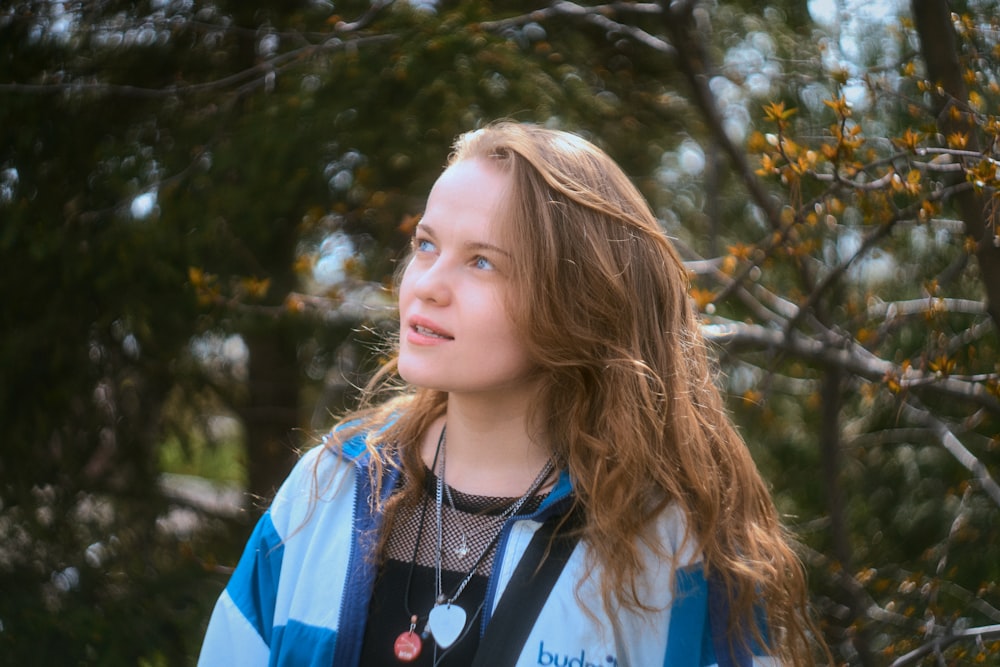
490, 451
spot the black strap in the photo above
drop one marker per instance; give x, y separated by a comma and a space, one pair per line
527, 591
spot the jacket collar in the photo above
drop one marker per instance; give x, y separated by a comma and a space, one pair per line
354, 449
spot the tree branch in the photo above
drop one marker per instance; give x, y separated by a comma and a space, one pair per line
262, 69
691, 60
867, 244
853, 358
560, 9
954, 447
599, 15
893, 309
938, 643
940, 49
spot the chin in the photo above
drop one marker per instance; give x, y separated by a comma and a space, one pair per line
417, 377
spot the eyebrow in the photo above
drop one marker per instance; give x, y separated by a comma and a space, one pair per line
470, 245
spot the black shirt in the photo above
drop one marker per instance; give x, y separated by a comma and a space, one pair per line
470, 528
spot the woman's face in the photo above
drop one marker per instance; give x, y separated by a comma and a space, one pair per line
455, 331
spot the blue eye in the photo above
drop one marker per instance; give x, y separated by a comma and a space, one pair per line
423, 245
483, 263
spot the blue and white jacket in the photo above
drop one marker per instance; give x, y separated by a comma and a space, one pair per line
299, 595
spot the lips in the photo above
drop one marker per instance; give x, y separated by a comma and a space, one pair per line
428, 329
424, 331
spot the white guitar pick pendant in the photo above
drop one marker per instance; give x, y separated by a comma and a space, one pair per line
446, 622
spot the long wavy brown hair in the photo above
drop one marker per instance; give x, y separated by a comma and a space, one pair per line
628, 396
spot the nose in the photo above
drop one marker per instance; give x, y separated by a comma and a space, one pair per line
430, 283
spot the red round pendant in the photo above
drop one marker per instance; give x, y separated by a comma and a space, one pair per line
407, 646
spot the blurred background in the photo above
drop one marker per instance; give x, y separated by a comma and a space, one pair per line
202, 205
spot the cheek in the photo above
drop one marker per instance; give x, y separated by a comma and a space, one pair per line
404, 289
502, 332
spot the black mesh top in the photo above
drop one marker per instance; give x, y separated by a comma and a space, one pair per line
467, 531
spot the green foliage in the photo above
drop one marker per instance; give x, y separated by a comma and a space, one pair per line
202, 206
874, 232
222, 461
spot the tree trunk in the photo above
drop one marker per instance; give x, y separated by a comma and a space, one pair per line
271, 413
939, 48
833, 463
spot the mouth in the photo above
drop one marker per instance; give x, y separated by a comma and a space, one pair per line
425, 330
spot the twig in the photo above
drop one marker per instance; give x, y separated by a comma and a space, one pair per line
935, 645
559, 9
852, 358
263, 68
955, 447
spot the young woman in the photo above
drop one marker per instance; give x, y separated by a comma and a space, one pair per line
554, 481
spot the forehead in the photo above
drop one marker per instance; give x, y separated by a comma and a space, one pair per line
470, 188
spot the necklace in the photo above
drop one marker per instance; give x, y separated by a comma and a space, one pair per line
447, 622
409, 644
462, 550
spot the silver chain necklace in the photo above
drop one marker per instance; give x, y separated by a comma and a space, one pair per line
462, 550
447, 620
